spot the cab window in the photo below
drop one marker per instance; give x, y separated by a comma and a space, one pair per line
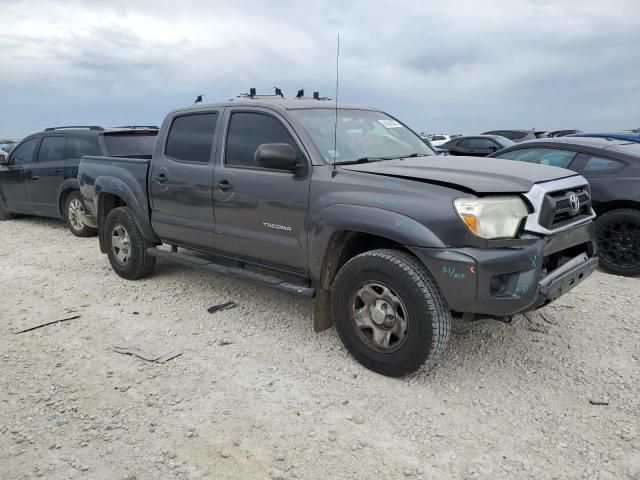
247, 131
190, 138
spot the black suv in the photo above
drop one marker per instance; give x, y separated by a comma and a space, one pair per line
39, 177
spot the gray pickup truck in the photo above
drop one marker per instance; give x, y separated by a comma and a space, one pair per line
351, 207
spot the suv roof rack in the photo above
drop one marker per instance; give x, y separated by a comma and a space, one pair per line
153, 127
88, 127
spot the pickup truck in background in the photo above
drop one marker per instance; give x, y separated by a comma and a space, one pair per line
351, 207
40, 175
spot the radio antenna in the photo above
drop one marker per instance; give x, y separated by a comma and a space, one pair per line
335, 124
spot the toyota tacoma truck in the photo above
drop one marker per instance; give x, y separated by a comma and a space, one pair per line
349, 206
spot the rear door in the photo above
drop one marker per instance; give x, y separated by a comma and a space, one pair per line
14, 181
47, 174
261, 214
180, 179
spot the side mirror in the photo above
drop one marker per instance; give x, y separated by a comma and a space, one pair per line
276, 156
4, 159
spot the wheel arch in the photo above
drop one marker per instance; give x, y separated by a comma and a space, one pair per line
341, 232
606, 207
112, 193
66, 187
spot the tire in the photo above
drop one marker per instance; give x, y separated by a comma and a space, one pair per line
72, 208
618, 239
132, 263
4, 213
421, 323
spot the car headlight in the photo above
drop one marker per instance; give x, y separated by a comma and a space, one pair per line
492, 217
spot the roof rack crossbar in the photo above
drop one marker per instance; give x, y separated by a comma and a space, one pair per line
88, 127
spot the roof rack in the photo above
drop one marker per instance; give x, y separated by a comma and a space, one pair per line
316, 96
153, 127
278, 94
88, 127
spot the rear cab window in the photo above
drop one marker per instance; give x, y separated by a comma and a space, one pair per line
130, 142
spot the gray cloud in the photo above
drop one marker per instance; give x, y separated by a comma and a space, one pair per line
465, 67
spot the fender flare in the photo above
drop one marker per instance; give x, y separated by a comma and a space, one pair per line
364, 219
129, 193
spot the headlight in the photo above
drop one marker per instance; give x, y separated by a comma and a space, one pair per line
492, 217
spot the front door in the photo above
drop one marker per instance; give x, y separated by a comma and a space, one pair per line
261, 214
14, 181
47, 174
180, 181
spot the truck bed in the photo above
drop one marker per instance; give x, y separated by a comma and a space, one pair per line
125, 175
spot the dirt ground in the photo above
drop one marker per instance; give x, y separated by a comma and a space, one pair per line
256, 394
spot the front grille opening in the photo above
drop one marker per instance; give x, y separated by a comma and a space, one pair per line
556, 260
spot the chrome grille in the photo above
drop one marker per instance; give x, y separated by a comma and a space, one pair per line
552, 207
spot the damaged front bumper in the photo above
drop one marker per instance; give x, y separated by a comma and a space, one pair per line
506, 281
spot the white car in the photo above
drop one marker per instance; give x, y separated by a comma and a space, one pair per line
440, 139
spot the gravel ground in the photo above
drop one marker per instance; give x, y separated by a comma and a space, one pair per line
256, 394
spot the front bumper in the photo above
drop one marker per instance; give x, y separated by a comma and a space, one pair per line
506, 281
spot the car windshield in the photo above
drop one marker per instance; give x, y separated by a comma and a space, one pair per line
360, 135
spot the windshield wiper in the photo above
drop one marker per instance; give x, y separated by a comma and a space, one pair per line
362, 160
379, 159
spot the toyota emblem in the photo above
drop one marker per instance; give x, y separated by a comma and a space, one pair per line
575, 203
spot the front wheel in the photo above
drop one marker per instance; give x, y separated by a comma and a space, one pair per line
126, 247
618, 238
74, 213
389, 312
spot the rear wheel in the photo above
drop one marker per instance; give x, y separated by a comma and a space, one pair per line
618, 237
74, 212
126, 247
389, 312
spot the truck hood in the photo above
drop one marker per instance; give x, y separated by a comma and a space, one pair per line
476, 174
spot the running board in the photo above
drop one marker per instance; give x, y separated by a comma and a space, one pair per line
197, 262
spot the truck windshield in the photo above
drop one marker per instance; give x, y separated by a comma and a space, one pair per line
122, 144
360, 135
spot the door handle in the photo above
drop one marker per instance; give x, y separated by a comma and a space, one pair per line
163, 178
58, 170
34, 177
224, 185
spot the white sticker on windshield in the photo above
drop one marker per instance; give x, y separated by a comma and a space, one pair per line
389, 124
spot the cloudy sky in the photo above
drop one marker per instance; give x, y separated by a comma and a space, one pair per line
463, 66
